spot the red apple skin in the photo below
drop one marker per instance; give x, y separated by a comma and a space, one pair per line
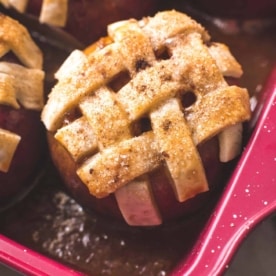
87, 22
87, 19
170, 208
28, 155
241, 9
66, 168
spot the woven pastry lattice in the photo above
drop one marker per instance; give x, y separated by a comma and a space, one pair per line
162, 58
20, 84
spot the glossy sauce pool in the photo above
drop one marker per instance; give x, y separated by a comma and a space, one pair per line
50, 222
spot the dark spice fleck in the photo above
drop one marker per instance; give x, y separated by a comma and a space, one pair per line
116, 178
166, 77
142, 88
141, 64
165, 154
166, 125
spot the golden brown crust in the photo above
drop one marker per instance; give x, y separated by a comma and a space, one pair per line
15, 37
164, 57
20, 85
24, 82
8, 144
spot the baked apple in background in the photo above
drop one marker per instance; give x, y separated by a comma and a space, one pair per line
87, 19
22, 142
140, 123
239, 9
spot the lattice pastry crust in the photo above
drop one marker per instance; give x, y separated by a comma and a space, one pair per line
20, 85
164, 57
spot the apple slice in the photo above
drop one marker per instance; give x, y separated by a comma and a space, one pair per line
137, 204
54, 12
230, 142
175, 142
8, 144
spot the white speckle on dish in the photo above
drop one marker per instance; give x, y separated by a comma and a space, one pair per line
105, 237
232, 224
247, 192
89, 258
86, 240
235, 216
213, 251
67, 229
97, 239
258, 89
122, 243
219, 238
59, 252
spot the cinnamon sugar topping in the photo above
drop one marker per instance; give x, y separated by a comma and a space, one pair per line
20, 84
116, 160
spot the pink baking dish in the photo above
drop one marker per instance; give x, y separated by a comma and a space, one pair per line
27, 261
249, 197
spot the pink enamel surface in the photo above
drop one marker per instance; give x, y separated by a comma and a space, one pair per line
250, 196
30, 262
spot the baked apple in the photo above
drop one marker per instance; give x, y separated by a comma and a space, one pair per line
22, 134
140, 122
87, 19
240, 9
